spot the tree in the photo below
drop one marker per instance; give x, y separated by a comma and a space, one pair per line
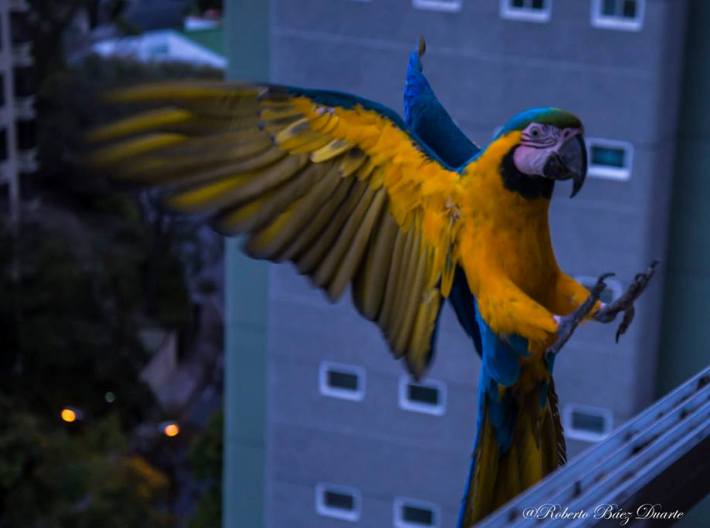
74, 299
206, 461
54, 478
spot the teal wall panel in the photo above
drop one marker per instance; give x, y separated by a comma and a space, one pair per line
684, 348
246, 290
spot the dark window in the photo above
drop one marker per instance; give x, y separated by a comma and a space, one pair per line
26, 135
620, 8
19, 29
24, 81
586, 421
629, 10
609, 7
528, 4
417, 516
608, 157
3, 145
423, 394
342, 380
338, 501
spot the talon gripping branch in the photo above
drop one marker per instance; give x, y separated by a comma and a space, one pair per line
408, 213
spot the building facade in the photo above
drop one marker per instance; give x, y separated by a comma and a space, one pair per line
350, 439
17, 113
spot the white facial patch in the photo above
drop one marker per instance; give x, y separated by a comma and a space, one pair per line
531, 160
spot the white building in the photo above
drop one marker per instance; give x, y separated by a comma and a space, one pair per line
191, 46
17, 113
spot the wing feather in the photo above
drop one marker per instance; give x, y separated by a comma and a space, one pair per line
351, 261
370, 281
345, 235
332, 182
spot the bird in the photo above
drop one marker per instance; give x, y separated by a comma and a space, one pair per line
405, 212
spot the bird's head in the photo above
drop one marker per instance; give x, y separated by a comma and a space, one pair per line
550, 148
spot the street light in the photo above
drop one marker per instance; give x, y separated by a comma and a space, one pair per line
171, 429
70, 414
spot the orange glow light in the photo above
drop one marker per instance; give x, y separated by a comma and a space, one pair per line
171, 430
68, 415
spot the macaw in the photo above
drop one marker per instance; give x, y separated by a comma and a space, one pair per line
408, 213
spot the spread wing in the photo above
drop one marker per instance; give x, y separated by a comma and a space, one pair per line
429, 120
332, 182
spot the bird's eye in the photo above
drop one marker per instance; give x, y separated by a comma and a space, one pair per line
535, 132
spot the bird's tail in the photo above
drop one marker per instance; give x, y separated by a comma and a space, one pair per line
536, 448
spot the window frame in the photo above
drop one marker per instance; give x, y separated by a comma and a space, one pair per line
606, 172
335, 392
336, 513
580, 434
398, 518
526, 14
408, 405
602, 21
447, 6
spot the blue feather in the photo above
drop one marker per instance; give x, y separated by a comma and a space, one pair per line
545, 114
462, 301
426, 116
500, 366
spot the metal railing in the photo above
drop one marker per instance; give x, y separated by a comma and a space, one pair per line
653, 466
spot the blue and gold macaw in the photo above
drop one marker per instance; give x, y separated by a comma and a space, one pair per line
408, 213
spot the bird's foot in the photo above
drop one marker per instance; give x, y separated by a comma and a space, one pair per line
569, 323
625, 303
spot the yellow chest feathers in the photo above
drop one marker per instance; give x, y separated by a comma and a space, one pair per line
508, 232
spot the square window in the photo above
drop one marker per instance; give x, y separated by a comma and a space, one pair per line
26, 132
588, 422
618, 14
583, 422
341, 381
629, 9
339, 502
3, 145
609, 158
423, 394
25, 82
528, 10
19, 28
412, 513
428, 397
450, 6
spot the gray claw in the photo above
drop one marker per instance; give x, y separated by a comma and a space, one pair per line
569, 323
625, 303
625, 322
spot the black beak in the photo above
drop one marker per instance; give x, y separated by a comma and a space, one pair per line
570, 162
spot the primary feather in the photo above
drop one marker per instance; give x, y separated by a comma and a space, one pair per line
335, 183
